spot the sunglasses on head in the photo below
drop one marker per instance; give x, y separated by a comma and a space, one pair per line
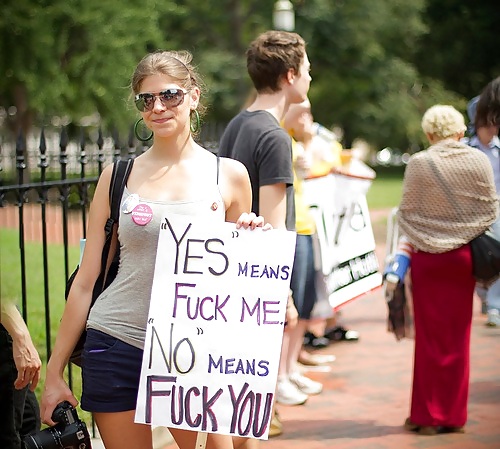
169, 98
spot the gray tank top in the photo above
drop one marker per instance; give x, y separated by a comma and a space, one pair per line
122, 309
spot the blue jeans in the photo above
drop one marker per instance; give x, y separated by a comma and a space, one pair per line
111, 372
493, 293
303, 282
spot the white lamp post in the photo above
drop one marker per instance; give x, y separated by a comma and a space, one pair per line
284, 16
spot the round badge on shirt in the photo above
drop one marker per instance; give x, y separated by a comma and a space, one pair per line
142, 214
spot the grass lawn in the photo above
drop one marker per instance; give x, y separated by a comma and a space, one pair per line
10, 289
384, 194
385, 191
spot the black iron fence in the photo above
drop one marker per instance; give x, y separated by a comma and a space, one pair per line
55, 170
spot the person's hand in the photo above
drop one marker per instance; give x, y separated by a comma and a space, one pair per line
252, 221
292, 316
303, 164
339, 171
27, 361
56, 390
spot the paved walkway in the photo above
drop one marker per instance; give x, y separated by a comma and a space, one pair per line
367, 390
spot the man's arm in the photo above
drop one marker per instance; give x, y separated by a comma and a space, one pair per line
272, 204
25, 355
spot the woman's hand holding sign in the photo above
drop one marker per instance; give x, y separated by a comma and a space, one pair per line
252, 221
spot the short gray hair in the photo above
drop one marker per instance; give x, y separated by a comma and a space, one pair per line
443, 121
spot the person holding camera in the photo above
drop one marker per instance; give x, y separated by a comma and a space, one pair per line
175, 176
20, 367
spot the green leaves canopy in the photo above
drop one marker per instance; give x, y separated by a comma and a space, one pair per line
376, 64
73, 58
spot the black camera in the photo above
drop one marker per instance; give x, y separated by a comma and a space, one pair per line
69, 432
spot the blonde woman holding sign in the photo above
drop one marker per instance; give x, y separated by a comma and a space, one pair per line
175, 175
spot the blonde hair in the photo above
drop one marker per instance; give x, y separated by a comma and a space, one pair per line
443, 121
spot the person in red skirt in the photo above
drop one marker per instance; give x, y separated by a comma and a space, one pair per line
448, 199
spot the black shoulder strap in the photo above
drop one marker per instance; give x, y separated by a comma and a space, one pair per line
121, 172
218, 164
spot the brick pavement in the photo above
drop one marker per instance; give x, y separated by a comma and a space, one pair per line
367, 391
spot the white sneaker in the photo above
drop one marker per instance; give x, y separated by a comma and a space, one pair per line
288, 394
305, 385
493, 318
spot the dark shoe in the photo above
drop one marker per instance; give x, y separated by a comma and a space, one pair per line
410, 426
428, 430
315, 342
341, 334
451, 429
421, 430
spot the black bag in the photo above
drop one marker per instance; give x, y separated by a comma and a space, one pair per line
121, 171
485, 251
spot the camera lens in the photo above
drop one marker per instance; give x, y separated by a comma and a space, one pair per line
46, 439
69, 432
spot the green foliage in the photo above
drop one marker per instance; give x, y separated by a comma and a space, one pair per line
377, 65
218, 43
461, 46
363, 77
10, 288
74, 58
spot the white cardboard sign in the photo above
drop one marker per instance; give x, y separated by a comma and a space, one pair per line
346, 241
215, 327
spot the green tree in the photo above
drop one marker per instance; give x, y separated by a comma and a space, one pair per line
363, 76
376, 64
461, 45
73, 58
218, 42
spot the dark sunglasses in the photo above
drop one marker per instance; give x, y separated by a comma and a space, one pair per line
169, 98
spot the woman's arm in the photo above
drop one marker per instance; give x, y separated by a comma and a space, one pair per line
237, 193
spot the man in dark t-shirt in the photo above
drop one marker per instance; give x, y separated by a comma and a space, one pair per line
256, 139
278, 65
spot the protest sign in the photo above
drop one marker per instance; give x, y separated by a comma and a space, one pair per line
346, 244
215, 327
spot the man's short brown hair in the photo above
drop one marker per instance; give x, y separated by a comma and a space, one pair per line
271, 55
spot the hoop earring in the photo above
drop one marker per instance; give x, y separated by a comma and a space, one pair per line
136, 132
195, 127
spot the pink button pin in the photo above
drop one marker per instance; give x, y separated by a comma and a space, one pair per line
142, 214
